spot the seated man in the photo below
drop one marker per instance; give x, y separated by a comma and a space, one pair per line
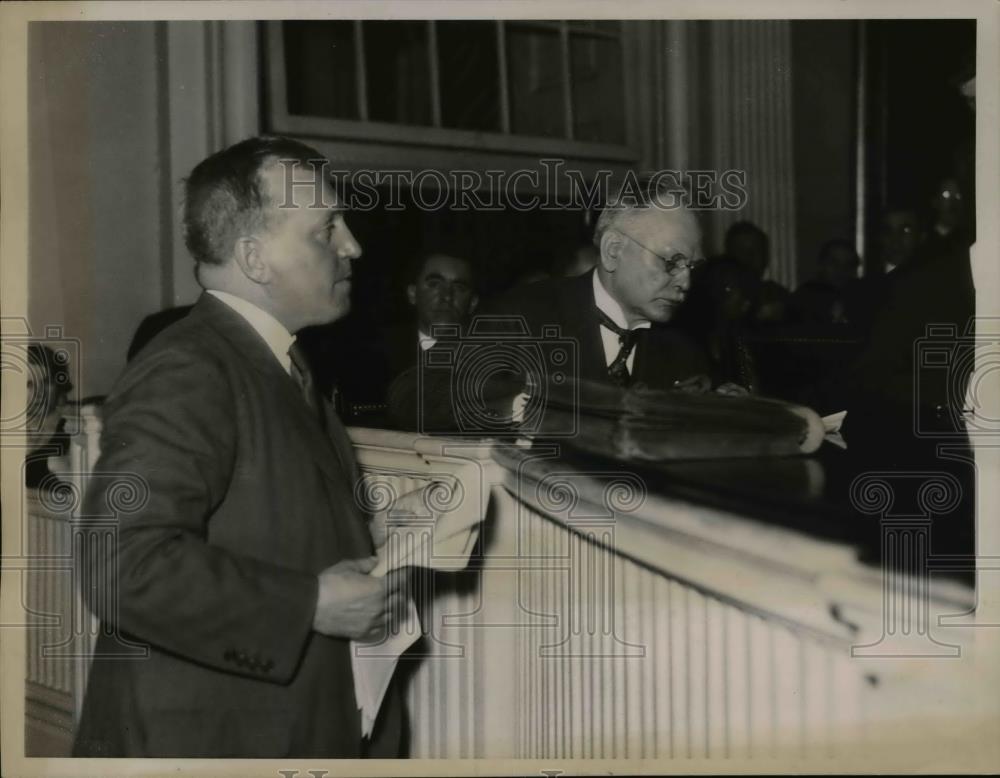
748, 244
441, 294
611, 325
823, 300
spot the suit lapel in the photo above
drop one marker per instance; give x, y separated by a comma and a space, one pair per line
577, 311
248, 343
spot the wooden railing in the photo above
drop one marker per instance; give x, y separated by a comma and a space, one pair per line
604, 620
599, 619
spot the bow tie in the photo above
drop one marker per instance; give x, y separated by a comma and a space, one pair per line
625, 337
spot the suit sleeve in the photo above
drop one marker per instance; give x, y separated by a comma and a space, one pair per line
171, 431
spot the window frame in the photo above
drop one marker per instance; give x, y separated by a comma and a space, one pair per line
278, 118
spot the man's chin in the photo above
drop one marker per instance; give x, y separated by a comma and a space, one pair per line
332, 314
661, 311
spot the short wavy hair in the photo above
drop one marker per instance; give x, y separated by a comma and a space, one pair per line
224, 197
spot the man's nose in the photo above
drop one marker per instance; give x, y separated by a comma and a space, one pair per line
683, 279
349, 247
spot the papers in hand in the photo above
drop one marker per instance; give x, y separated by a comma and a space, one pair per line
425, 529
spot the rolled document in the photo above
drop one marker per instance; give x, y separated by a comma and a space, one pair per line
654, 425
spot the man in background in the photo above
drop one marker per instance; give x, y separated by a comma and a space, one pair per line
826, 299
242, 571
441, 295
901, 238
748, 244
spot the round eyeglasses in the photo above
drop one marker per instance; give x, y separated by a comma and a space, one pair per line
673, 266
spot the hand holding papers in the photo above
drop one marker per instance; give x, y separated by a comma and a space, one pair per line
431, 527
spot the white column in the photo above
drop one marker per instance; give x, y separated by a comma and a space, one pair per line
677, 99
751, 94
212, 100
240, 82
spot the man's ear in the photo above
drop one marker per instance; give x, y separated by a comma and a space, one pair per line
611, 248
250, 260
411, 294
473, 303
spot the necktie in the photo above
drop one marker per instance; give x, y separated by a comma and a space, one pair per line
303, 378
618, 369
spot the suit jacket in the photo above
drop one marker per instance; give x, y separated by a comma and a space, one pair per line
152, 326
242, 501
549, 312
889, 379
663, 354
374, 362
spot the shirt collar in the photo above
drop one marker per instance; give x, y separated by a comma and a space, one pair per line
277, 338
425, 340
610, 307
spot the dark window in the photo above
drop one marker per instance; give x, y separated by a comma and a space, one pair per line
469, 75
320, 69
598, 98
397, 72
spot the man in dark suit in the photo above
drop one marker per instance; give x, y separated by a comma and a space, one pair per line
617, 319
441, 294
153, 325
243, 568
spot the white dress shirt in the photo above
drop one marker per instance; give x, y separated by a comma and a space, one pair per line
425, 341
277, 338
609, 338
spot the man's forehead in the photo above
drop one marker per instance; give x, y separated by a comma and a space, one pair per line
665, 227
297, 185
444, 265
